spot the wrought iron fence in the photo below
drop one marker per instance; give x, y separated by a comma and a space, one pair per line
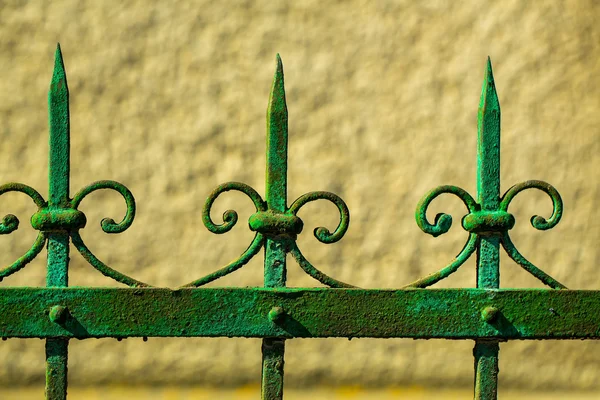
486, 314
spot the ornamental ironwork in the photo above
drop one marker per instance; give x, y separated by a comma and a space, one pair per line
486, 314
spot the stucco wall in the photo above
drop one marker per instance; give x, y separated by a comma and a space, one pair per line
169, 98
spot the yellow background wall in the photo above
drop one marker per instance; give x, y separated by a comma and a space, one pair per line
169, 98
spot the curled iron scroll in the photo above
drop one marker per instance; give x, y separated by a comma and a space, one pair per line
10, 223
538, 222
230, 218
466, 252
441, 225
322, 234
443, 222
236, 264
314, 272
108, 225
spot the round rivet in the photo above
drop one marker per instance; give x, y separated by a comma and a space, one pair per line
58, 314
276, 314
489, 314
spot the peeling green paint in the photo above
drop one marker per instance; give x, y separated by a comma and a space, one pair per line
287, 313
48, 219
485, 314
488, 223
274, 223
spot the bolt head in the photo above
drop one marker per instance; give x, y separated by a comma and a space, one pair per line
276, 314
58, 314
489, 314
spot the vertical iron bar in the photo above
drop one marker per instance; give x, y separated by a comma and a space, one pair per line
58, 242
486, 370
276, 247
488, 178
488, 251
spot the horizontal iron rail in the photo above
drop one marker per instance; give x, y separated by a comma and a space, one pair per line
501, 314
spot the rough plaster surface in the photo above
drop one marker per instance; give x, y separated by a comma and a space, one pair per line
170, 99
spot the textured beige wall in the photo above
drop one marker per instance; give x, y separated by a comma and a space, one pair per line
170, 99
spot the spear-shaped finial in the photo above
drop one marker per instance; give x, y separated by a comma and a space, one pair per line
275, 247
58, 242
489, 97
277, 143
488, 252
488, 144
58, 107
58, 75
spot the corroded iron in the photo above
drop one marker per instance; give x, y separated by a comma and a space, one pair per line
488, 223
287, 313
485, 314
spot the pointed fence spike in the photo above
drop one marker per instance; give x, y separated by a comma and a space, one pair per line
273, 350
58, 242
277, 143
488, 252
59, 77
489, 97
58, 108
488, 177
488, 144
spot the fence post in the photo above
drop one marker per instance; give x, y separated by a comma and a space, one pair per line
488, 251
58, 241
276, 246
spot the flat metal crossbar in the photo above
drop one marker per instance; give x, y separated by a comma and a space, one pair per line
486, 314
309, 313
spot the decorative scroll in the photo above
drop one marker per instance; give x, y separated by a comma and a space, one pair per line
10, 223
275, 224
314, 272
230, 218
59, 215
267, 223
451, 268
275, 314
69, 220
488, 221
321, 233
108, 225
443, 222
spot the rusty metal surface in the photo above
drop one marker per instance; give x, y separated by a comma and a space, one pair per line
310, 313
485, 314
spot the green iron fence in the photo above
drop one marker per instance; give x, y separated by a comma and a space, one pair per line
486, 314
